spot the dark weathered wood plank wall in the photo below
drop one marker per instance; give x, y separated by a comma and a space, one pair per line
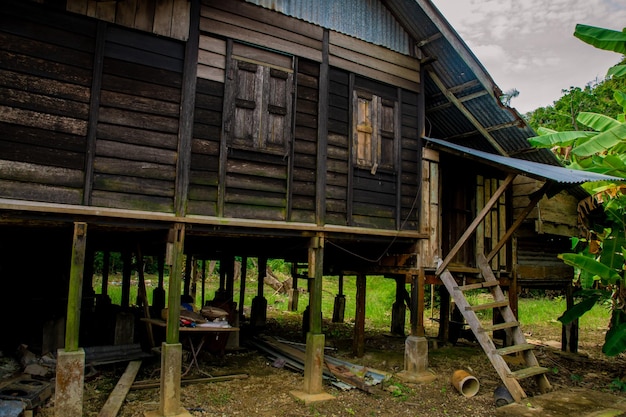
137, 135
168, 18
45, 84
338, 148
302, 194
205, 148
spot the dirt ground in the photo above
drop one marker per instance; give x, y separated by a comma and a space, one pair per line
266, 391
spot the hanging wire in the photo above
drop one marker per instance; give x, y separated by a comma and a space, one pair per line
384, 252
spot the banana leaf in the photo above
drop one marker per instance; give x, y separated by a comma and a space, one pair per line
615, 340
602, 141
577, 310
617, 71
596, 121
559, 138
591, 266
620, 98
607, 39
612, 253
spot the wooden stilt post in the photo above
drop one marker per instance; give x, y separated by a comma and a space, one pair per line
70, 371
106, 261
339, 307
314, 355
398, 309
203, 283
127, 260
76, 287
358, 347
171, 349
242, 286
258, 313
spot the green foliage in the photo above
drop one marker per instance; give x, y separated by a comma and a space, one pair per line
595, 141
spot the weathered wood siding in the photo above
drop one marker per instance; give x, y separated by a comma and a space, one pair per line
137, 129
303, 178
338, 175
557, 215
45, 79
430, 212
467, 192
490, 231
544, 234
162, 17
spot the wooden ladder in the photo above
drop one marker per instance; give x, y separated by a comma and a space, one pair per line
510, 325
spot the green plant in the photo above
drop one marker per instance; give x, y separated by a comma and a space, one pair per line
599, 259
618, 385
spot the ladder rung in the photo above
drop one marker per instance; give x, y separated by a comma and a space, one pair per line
499, 326
527, 372
514, 349
484, 284
495, 304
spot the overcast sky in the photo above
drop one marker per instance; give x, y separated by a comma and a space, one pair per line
529, 44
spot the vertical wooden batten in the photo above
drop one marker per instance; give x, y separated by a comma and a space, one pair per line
350, 193
397, 146
94, 107
322, 135
221, 184
187, 106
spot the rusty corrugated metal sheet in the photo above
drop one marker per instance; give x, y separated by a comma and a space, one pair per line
368, 20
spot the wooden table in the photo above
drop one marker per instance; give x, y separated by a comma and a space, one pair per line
190, 332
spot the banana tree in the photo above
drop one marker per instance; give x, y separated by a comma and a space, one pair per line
599, 264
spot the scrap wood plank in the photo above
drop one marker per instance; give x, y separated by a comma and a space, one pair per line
156, 384
118, 395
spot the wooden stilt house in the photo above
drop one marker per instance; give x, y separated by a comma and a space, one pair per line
222, 129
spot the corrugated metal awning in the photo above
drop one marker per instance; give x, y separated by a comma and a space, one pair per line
532, 169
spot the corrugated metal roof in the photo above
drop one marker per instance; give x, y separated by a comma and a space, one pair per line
532, 169
368, 20
393, 24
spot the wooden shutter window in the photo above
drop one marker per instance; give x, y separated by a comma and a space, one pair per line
246, 118
375, 131
278, 109
261, 106
364, 129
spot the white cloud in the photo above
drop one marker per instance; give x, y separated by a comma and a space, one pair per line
529, 44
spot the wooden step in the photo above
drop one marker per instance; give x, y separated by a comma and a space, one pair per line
495, 304
514, 349
484, 284
499, 326
527, 372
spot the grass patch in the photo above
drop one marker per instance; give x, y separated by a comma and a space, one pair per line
380, 294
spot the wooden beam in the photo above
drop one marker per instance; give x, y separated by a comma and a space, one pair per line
316, 271
94, 110
174, 258
118, 395
186, 115
358, 345
75, 291
536, 197
168, 218
322, 133
459, 105
479, 218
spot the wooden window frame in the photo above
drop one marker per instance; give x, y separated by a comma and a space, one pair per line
369, 135
269, 106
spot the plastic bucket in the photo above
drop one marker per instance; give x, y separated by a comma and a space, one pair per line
465, 383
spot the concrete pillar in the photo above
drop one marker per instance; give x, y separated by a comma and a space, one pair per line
416, 361
169, 395
70, 378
